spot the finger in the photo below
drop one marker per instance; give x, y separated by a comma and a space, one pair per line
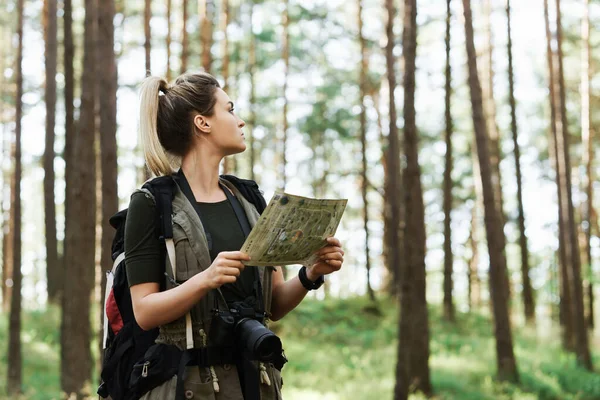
223, 279
230, 271
234, 255
332, 256
337, 264
231, 264
330, 249
333, 241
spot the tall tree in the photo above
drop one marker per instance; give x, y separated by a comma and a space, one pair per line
69, 149
448, 259
363, 142
50, 33
147, 36
574, 272
489, 107
392, 180
252, 105
489, 104
528, 301
76, 360
185, 47
565, 294
588, 159
205, 13
506, 363
107, 74
412, 370
226, 19
15, 362
8, 151
169, 9
286, 66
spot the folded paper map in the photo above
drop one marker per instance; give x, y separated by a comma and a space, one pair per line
291, 229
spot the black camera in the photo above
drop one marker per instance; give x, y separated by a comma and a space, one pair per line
243, 327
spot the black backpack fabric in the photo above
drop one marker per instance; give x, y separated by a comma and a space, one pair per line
126, 343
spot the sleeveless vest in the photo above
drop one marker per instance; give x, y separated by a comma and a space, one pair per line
221, 382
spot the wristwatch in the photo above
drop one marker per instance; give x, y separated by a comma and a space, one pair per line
307, 283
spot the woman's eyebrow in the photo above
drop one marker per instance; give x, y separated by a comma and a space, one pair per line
230, 102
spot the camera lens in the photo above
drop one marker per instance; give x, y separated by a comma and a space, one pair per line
258, 340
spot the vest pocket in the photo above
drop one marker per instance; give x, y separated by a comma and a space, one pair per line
187, 265
277, 381
198, 385
187, 239
272, 391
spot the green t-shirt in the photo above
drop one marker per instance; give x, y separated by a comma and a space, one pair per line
143, 248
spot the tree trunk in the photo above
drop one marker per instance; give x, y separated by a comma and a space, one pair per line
363, 141
528, 301
252, 105
392, 179
588, 159
9, 233
225, 18
389, 278
76, 358
108, 141
286, 63
147, 36
489, 104
565, 296
7, 174
50, 33
448, 259
205, 13
15, 362
412, 370
69, 126
185, 51
507, 368
7, 230
474, 289
574, 273
169, 7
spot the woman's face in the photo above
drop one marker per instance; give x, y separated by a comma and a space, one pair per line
224, 127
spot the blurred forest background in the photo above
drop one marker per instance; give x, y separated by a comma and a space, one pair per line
462, 132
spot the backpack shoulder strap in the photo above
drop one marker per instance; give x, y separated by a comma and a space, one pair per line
250, 190
163, 188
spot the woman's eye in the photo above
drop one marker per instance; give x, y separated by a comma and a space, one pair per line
231, 111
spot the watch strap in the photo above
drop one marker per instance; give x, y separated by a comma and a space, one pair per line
307, 283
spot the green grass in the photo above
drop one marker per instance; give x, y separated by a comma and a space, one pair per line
340, 351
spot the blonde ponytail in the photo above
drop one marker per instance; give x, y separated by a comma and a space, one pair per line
157, 159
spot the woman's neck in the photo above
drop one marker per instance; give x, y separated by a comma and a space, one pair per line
201, 170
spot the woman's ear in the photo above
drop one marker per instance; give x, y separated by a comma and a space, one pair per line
201, 124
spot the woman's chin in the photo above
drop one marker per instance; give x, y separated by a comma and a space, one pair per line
236, 150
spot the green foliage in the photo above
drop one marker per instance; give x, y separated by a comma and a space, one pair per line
41, 354
337, 350
346, 349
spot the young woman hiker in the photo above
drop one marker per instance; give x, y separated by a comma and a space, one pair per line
187, 128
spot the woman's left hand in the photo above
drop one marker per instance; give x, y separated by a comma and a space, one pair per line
331, 257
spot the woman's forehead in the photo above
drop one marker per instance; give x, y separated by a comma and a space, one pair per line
222, 97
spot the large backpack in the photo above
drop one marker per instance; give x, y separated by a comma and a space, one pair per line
125, 343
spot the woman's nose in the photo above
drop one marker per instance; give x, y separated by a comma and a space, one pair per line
241, 123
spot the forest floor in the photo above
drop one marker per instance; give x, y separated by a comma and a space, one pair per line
342, 350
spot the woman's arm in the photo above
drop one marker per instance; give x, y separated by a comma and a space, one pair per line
153, 308
288, 294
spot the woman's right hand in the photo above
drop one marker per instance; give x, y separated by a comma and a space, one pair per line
226, 267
